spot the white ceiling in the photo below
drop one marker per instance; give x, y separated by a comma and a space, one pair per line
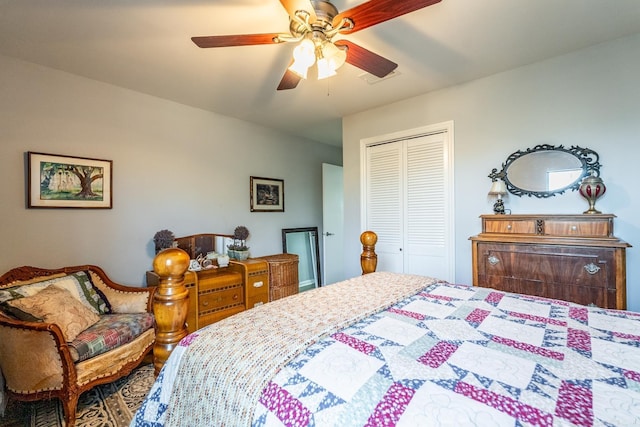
145, 45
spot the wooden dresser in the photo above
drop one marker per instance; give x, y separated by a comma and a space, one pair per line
219, 293
575, 258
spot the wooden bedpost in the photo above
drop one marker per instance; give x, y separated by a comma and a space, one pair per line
368, 258
170, 303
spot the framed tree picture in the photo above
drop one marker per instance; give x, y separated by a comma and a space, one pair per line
56, 181
267, 194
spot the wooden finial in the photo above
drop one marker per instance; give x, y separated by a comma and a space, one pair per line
368, 258
170, 303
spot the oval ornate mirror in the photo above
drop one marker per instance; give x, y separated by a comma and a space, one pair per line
546, 170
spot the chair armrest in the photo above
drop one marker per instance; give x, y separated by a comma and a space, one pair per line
43, 362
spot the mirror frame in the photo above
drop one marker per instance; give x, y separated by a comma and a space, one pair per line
313, 231
589, 160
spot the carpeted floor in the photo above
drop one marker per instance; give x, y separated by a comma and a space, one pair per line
108, 405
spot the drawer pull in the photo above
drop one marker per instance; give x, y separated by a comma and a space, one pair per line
258, 284
591, 268
509, 226
574, 228
493, 260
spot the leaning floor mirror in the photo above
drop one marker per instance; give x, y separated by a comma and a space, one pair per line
304, 243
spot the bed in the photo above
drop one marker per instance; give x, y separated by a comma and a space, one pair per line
386, 349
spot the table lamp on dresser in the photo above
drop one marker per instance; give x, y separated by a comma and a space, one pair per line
498, 189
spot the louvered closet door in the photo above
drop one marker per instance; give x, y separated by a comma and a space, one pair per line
384, 201
407, 206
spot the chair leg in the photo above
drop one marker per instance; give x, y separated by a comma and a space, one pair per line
69, 405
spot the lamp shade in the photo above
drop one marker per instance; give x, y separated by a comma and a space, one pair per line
498, 188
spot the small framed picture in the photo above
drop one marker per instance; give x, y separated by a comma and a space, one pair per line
56, 181
267, 194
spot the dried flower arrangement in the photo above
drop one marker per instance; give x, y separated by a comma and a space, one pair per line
240, 236
239, 248
163, 239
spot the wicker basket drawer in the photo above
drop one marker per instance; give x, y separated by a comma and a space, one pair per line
283, 275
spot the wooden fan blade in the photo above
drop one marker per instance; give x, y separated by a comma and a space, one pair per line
376, 11
236, 40
367, 60
289, 81
293, 6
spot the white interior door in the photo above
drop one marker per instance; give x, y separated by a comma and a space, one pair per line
332, 224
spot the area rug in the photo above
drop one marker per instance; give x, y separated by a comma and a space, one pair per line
108, 405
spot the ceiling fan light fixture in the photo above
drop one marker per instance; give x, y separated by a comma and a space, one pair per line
325, 69
314, 23
336, 56
303, 57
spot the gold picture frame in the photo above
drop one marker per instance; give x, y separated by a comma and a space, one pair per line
57, 181
267, 194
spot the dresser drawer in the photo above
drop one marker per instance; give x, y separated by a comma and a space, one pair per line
525, 226
592, 228
220, 299
547, 263
216, 316
583, 275
257, 290
217, 280
257, 299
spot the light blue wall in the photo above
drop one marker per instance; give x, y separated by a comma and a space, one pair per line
174, 167
589, 98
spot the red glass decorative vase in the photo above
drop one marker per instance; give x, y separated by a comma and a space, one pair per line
592, 188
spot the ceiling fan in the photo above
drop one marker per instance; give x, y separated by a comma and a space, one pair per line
314, 23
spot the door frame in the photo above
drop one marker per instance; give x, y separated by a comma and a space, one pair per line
442, 127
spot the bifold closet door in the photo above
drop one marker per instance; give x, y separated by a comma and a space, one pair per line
406, 204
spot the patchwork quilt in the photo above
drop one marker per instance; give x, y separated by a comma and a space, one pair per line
445, 355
